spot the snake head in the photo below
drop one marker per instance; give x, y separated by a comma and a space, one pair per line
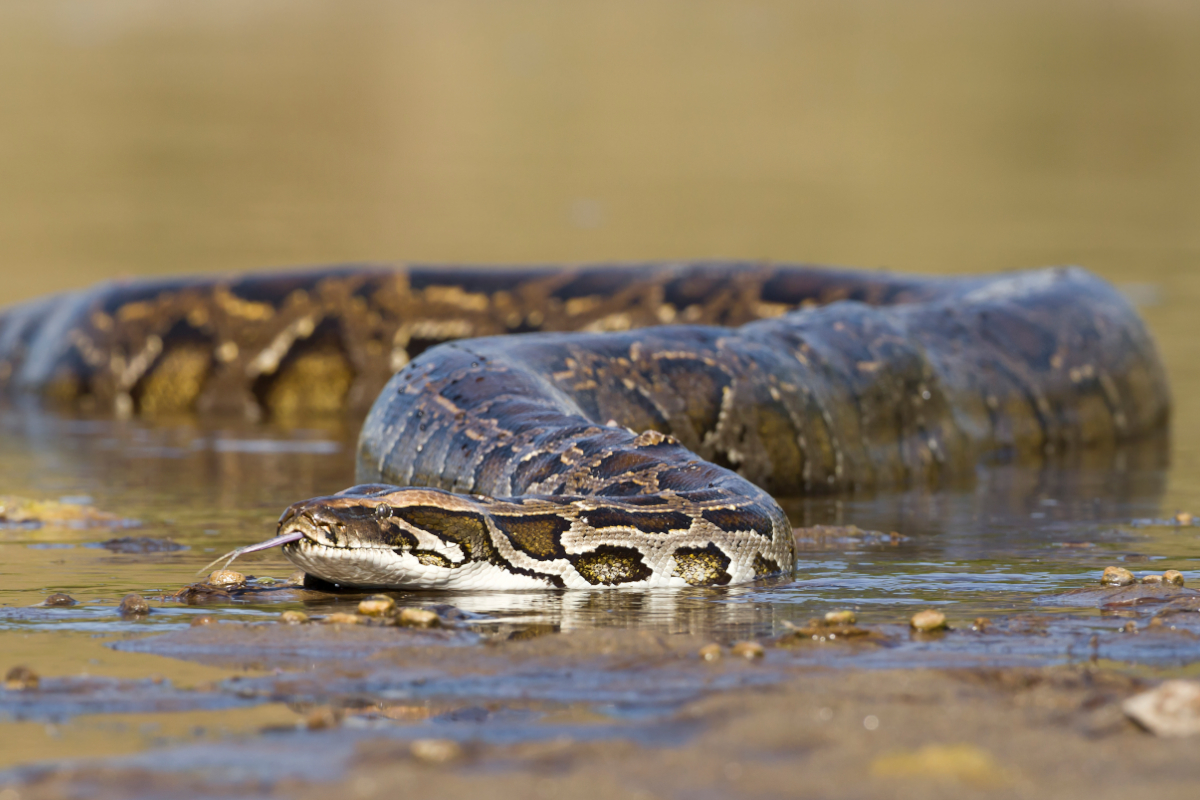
355, 518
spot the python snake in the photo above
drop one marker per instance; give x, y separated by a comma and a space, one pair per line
619, 454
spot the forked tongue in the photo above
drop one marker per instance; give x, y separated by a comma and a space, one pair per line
228, 558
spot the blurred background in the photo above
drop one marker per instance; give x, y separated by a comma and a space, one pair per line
170, 136
178, 136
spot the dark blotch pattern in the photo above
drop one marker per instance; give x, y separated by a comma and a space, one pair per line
764, 566
537, 535
740, 519
609, 565
464, 528
647, 522
702, 566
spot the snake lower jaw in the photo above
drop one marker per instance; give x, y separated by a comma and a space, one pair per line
381, 568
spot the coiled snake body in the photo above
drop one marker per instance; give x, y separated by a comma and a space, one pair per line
621, 455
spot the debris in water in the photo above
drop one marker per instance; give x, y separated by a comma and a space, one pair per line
1172, 709
1117, 576
418, 618
226, 578
376, 605
140, 544
928, 620
21, 679
748, 650
436, 751
134, 605
26, 513
840, 617
59, 600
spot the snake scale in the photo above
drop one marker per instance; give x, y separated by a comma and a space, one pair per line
641, 449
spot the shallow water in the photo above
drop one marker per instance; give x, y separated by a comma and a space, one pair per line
153, 137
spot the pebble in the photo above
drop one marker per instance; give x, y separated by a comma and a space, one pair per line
1117, 576
21, 679
226, 577
710, 652
1172, 709
928, 620
1152, 579
376, 605
1129, 627
748, 650
133, 605
840, 617
418, 618
1173, 576
436, 751
59, 600
981, 624
322, 718
338, 618
293, 617
202, 620
1184, 518
296, 578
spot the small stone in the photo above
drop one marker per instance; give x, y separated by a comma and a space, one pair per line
418, 618
226, 577
21, 679
1173, 576
1129, 627
710, 652
293, 618
840, 617
339, 618
1184, 518
436, 751
296, 578
59, 600
322, 718
1117, 576
1172, 709
266, 581
1152, 579
202, 620
1155, 622
376, 605
133, 605
928, 620
748, 650
980, 624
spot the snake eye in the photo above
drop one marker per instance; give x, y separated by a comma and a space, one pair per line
383, 511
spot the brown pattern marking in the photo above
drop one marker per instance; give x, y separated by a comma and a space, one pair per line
764, 566
464, 528
646, 522
740, 519
702, 566
536, 535
610, 565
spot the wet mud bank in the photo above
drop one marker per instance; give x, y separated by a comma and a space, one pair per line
1013, 705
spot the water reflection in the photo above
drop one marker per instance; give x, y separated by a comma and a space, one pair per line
990, 544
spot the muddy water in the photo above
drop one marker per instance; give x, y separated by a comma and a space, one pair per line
153, 137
